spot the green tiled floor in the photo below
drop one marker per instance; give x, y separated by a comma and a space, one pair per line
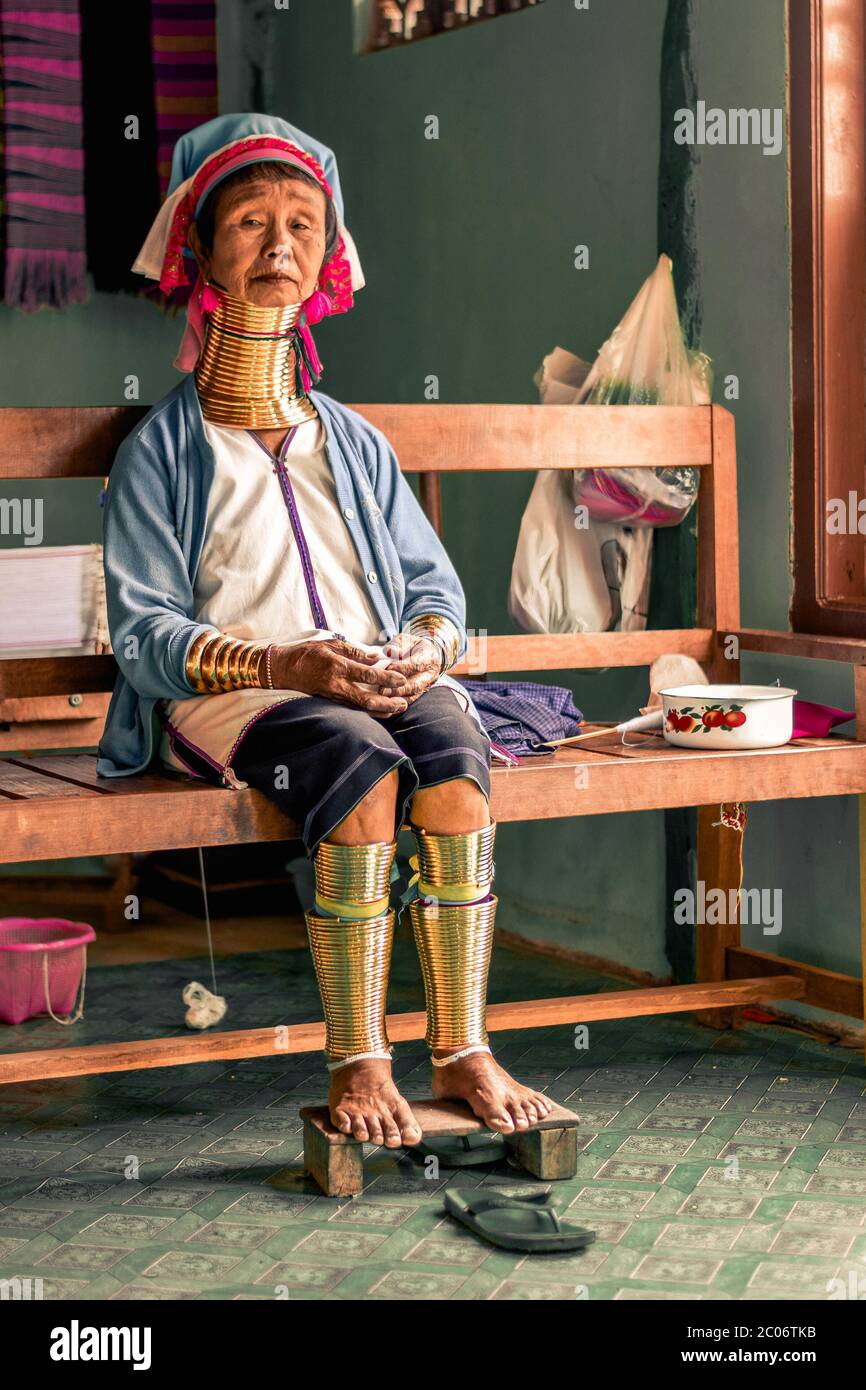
712, 1165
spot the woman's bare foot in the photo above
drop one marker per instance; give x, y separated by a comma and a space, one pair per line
494, 1096
364, 1102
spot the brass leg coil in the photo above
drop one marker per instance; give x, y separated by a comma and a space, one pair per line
454, 933
454, 945
351, 932
352, 960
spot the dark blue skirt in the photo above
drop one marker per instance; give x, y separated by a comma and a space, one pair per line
317, 759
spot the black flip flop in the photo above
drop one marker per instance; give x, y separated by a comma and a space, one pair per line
461, 1151
528, 1224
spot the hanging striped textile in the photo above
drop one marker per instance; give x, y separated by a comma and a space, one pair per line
43, 171
183, 35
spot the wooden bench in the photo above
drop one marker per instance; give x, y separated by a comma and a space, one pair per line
56, 807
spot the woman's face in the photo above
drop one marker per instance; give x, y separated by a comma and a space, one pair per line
269, 241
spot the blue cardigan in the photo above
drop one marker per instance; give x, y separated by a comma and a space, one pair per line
155, 512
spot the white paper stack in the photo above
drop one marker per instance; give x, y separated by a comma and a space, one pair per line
52, 601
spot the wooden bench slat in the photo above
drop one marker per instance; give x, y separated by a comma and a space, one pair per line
59, 676
30, 784
645, 747
56, 675
824, 989
36, 709
61, 442
175, 815
79, 769
504, 437
657, 781
567, 651
812, 646
20, 739
153, 812
96, 1059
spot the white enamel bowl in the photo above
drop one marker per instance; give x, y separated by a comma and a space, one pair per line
728, 716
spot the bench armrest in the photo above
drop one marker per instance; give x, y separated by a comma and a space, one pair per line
851, 650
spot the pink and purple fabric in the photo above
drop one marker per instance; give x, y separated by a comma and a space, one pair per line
44, 260
184, 48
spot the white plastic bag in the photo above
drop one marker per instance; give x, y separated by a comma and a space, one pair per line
568, 576
557, 578
595, 577
644, 362
625, 553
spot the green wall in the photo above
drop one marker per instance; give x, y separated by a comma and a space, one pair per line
81, 356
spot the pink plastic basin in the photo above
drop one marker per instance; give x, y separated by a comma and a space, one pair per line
25, 944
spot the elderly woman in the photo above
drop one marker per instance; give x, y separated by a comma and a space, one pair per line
284, 614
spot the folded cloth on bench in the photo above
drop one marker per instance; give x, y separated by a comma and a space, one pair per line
816, 721
519, 716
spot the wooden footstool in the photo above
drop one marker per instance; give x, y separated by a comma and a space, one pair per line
547, 1150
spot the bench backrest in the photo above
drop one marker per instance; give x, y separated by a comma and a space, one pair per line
431, 440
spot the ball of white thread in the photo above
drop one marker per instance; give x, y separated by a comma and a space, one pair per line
203, 1008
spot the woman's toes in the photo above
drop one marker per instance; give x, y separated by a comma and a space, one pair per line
374, 1129
520, 1119
391, 1132
410, 1130
530, 1112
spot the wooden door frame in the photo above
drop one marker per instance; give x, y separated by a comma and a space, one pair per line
828, 284
829, 307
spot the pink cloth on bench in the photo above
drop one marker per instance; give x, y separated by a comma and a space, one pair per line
816, 721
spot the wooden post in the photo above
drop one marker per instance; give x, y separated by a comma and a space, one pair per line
550, 1154
718, 856
336, 1164
718, 547
718, 866
431, 499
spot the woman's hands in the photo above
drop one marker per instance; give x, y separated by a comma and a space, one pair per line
417, 659
332, 669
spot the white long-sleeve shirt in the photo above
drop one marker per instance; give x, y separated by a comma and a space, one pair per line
278, 564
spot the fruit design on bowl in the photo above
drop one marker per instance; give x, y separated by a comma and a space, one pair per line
689, 720
734, 717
